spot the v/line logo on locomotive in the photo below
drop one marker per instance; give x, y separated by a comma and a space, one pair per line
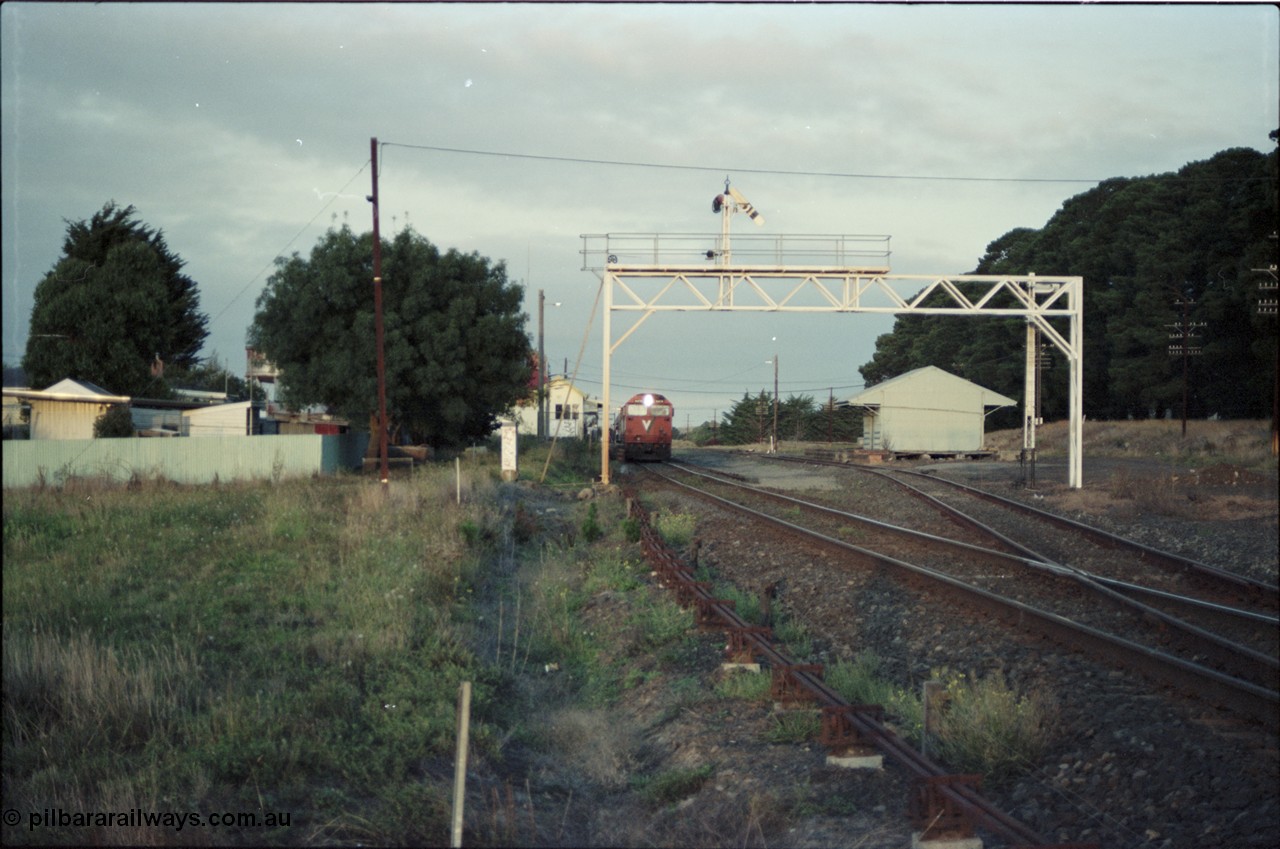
642, 429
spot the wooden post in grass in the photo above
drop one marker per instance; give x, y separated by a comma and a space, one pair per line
460, 762
931, 705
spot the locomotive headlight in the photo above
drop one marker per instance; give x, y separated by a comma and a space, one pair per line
648, 400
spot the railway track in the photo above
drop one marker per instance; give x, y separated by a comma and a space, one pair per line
1221, 653
942, 806
964, 503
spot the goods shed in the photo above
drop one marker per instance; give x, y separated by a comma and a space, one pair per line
926, 411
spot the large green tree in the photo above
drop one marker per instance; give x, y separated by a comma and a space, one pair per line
456, 352
115, 301
1143, 246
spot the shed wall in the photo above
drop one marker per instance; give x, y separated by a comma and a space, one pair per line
911, 429
64, 419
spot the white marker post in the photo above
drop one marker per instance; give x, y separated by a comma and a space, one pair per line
510, 465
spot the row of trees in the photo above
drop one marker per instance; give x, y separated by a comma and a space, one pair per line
800, 419
1145, 248
116, 310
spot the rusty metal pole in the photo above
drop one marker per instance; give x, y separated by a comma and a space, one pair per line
377, 318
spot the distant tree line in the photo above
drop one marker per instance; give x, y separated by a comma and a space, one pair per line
1145, 247
800, 419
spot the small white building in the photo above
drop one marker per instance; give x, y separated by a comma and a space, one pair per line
571, 413
926, 410
67, 409
236, 419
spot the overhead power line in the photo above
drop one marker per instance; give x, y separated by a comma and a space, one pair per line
722, 169
296, 236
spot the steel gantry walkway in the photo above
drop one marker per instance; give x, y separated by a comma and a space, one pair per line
644, 274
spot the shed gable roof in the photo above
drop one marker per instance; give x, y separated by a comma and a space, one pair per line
909, 383
69, 389
71, 386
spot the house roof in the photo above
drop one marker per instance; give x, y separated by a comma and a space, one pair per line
69, 389
874, 396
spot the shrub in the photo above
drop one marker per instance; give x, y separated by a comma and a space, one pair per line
591, 526
988, 728
115, 422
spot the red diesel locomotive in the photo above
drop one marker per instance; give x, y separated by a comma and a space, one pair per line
642, 429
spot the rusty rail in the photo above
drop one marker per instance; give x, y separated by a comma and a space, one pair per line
1209, 577
1238, 662
1258, 703
942, 806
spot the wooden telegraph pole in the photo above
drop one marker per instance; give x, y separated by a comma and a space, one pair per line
1185, 331
377, 319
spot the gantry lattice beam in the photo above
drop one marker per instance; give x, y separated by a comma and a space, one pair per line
862, 284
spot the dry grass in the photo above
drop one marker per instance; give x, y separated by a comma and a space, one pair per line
209, 648
593, 744
1244, 443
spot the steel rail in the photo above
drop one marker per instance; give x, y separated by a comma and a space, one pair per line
861, 719
1214, 609
1212, 577
1247, 699
1267, 595
1238, 660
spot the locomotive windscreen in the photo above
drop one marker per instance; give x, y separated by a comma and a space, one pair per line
642, 410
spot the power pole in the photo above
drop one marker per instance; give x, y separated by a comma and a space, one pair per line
542, 372
831, 413
1184, 332
775, 402
377, 319
1267, 305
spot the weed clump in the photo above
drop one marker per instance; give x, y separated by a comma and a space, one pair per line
673, 785
675, 528
986, 727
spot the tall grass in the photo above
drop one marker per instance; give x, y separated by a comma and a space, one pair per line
246, 648
984, 727
989, 728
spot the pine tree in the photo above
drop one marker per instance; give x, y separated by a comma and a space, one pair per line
114, 303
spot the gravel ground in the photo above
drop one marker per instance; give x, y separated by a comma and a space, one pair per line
1128, 766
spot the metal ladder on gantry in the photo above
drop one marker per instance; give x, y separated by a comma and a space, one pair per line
647, 273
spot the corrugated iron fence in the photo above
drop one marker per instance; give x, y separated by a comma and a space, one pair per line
53, 461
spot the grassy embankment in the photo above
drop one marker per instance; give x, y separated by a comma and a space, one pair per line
290, 648
1244, 443
297, 649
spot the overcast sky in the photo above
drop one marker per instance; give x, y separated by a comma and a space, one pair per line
242, 131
